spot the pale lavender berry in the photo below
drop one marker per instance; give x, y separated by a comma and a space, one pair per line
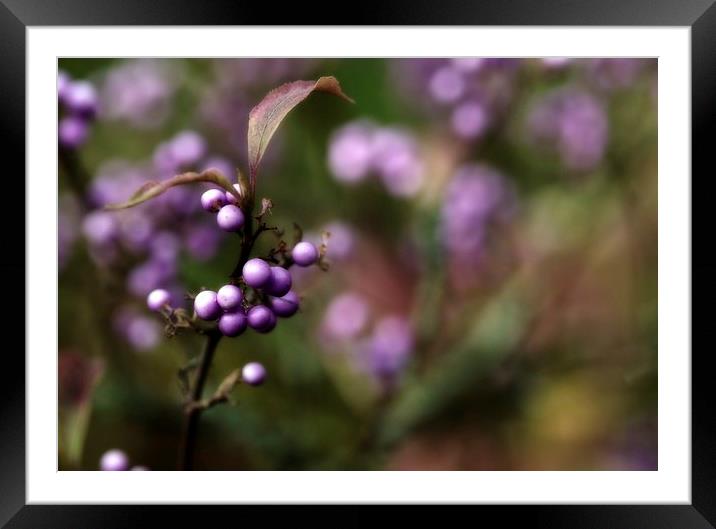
63, 84
230, 198
253, 374
213, 200
257, 273
157, 299
81, 98
206, 306
229, 297
72, 132
304, 254
114, 460
280, 281
230, 218
232, 323
260, 318
447, 85
187, 147
469, 120
284, 306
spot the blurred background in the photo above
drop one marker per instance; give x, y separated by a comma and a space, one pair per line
491, 301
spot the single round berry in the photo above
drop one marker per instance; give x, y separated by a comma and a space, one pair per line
232, 323
280, 281
213, 200
253, 374
304, 254
256, 273
270, 326
72, 132
114, 460
230, 218
229, 297
285, 306
157, 299
260, 317
230, 198
206, 306
81, 98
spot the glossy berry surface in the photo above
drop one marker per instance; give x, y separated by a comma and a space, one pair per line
206, 305
230, 218
270, 325
157, 299
285, 306
280, 282
213, 200
260, 317
232, 323
256, 273
304, 254
229, 297
114, 460
253, 374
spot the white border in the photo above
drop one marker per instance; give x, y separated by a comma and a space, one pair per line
670, 484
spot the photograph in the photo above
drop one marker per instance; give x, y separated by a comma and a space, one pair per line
357, 264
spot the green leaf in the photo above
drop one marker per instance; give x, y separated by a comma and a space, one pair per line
153, 188
265, 117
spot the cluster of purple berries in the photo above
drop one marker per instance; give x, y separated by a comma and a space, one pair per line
78, 105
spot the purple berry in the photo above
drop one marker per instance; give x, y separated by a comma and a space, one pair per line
260, 318
230, 198
187, 147
114, 460
229, 297
230, 218
304, 254
213, 200
63, 84
280, 281
285, 306
157, 299
253, 374
72, 132
81, 98
257, 273
232, 323
206, 306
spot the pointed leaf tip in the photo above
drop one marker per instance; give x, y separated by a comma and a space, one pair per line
265, 117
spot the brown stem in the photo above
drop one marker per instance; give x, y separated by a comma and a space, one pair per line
186, 458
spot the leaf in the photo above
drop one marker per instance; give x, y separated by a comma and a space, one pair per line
153, 189
265, 117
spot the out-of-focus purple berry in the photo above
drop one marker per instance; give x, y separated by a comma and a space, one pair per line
81, 98
256, 273
582, 132
284, 306
142, 333
222, 165
164, 160
350, 152
230, 218
72, 132
206, 305
232, 324
149, 275
304, 254
165, 247
390, 344
469, 120
157, 299
260, 318
446, 85
99, 227
229, 297
202, 241
114, 460
213, 200
346, 317
187, 148
280, 282
63, 85
468, 64
341, 240
253, 374
397, 162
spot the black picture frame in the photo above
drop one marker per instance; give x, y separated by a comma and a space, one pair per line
16, 15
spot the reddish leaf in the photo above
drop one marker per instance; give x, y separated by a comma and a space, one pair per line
265, 117
153, 189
